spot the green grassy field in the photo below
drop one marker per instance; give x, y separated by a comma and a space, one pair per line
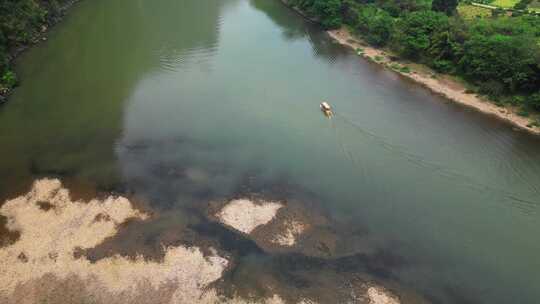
470, 12
505, 3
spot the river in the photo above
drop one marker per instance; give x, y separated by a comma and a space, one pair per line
126, 94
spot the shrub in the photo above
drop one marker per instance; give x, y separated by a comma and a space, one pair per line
443, 66
395, 66
9, 79
445, 6
497, 12
533, 124
405, 69
523, 113
522, 5
492, 88
533, 101
516, 100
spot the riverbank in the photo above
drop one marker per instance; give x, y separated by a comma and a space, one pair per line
444, 85
8, 79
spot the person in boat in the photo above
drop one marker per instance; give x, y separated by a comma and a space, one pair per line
326, 109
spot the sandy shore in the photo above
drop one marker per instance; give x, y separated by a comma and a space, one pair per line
441, 84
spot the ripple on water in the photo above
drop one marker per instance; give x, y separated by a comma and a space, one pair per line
172, 60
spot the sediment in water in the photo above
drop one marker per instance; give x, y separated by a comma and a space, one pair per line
45, 265
277, 226
52, 228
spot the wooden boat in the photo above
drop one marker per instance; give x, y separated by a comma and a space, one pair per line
326, 109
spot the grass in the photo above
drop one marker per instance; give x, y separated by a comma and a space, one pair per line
470, 12
504, 3
399, 68
395, 66
405, 69
523, 113
533, 124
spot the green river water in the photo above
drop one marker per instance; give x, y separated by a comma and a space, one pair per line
124, 94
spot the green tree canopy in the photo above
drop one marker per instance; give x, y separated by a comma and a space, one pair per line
510, 60
376, 23
414, 32
445, 6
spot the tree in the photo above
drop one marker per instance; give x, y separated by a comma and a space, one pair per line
445, 6
446, 46
397, 8
512, 60
522, 5
533, 101
413, 34
329, 12
376, 24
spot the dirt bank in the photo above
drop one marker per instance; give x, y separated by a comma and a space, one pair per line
440, 84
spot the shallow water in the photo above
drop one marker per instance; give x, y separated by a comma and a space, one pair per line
176, 103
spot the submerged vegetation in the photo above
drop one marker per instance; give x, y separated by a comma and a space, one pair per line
21, 22
498, 53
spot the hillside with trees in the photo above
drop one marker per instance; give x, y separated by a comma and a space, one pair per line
499, 55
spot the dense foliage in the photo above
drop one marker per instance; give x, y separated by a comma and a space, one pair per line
20, 23
446, 6
499, 54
